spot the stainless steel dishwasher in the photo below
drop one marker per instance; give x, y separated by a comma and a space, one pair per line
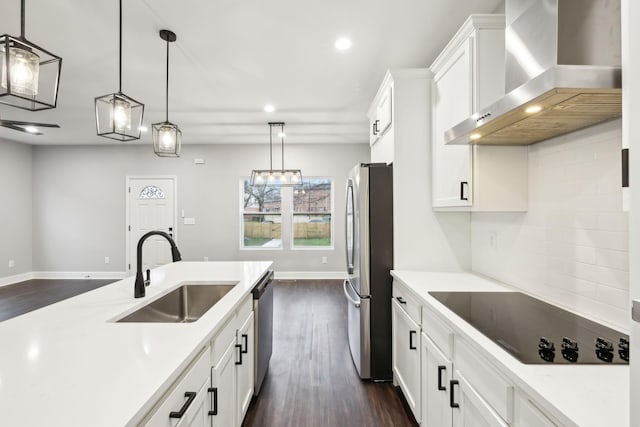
263, 327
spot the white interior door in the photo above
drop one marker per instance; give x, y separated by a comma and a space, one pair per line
151, 207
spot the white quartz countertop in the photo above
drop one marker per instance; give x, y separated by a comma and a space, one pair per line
577, 395
69, 364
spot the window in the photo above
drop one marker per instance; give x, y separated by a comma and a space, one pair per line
312, 214
151, 192
262, 216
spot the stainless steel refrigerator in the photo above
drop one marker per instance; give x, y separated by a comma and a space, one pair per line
369, 254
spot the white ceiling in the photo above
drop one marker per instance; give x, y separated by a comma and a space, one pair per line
231, 58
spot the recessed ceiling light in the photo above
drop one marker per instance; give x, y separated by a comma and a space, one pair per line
475, 136
269, 108
31, 129
533, 109
342, 43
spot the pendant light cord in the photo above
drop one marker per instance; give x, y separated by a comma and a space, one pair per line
22, 19
282, 144
120, 53
167, 94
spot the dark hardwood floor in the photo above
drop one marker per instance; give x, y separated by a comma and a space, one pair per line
311, 379
30, 295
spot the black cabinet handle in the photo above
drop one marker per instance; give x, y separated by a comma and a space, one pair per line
373, 126
441, 368
401, 300
245, 338
452, 403
190, 395
239, 347
411, 346
377, 130
214, 400
462, 184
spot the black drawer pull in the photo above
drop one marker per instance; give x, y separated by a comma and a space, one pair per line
190, 395
214, 400
245, 338
239, 347
401, 300
411, 346
452, 403
441, 368
462, 184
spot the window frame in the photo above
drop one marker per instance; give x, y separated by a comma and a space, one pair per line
292, 215
242, 246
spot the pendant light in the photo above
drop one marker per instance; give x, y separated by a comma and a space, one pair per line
167, 137
119, 116
282, 177
30, 75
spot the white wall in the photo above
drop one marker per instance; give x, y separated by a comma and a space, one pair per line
571, 247
79, 202
15, 208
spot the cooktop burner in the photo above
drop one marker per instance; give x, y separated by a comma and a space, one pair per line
535, 332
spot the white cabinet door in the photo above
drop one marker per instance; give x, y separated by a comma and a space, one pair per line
198, 413
471, 410
244, 373
452, 102
437, 372
223, 384
406, 357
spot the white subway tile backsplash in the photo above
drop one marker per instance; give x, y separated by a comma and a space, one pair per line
571, 247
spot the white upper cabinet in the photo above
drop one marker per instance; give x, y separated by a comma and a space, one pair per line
380, 114
468, 76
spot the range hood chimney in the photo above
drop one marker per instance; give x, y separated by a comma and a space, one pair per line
562, 73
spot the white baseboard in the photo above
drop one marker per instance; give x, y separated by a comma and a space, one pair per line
314, 275
10, 280
116, 275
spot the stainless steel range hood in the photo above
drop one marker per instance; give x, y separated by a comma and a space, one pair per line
562, 73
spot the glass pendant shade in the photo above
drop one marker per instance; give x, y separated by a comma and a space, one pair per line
167, 139
29, 75
118, 117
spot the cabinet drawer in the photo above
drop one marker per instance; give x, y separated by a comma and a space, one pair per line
408, 302
484, 378
243, 311
438, 331
195, 379
225, 335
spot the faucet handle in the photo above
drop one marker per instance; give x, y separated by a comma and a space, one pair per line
148, 281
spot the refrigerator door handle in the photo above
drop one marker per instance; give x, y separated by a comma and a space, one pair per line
348, 296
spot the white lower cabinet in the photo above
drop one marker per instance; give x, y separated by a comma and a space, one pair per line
223, 388
437, 372
406, 356
217, 388
185, 404
469, 407
244, 391
232, 371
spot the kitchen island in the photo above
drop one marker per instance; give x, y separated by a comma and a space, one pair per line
71, 364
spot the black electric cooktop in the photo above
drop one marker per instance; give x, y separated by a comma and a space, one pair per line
535, 332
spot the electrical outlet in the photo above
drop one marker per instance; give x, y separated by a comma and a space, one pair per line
107, 260
206, 258
324, 259
12, 263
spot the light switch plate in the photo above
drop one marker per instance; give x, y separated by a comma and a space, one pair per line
189, 221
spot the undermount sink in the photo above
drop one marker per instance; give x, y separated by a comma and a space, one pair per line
185, 304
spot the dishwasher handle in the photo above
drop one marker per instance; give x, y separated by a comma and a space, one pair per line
262, 285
